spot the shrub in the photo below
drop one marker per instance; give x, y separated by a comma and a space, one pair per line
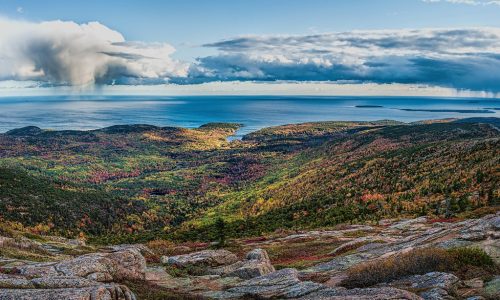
161, 247
419, 261
158, 249
471, 257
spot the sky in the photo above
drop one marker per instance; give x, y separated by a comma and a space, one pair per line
446, 45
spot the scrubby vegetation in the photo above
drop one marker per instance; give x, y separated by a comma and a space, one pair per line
418, 262
139, 182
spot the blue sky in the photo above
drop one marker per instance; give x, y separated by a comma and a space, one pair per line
184, 39
189, 23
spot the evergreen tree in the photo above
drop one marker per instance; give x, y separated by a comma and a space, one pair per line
448, 212
492, 199
463, 203
220, 231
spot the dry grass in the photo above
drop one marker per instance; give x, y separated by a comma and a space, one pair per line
161, 247
24, 254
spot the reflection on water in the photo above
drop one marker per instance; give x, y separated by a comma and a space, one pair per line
253, 111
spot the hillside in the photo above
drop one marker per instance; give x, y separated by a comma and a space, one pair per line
44, 206
174, 182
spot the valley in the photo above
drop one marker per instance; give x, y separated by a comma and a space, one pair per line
138, 182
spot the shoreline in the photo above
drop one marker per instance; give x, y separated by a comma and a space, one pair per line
241, 125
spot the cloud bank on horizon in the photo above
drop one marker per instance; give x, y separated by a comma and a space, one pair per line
458, 58
67, 53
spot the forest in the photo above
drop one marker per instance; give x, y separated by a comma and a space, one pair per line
139, 182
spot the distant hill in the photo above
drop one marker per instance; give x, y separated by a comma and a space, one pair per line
492, 121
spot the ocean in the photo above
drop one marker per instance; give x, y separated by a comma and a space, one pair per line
254, 112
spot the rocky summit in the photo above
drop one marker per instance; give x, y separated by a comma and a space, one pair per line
357, 265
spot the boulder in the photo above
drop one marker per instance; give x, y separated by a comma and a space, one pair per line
223, 263
409, 224
285, 284
273, 285
340, 263
361, 294
492, 288
302, 289
202, 259
475, 283
98, 292
481, 229
257, 263
143, 249
126, 264
430, 280
453, 243
96, 266
37, 270
433, 285
8, 281
474, 236
60, 282
103, 267
436, 294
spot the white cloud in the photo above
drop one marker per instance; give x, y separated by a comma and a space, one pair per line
469, 2
58, 52
467, 58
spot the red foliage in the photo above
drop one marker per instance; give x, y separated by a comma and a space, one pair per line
443, 220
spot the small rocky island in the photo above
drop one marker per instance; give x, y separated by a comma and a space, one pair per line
394, 259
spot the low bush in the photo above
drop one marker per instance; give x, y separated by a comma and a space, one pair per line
470, 257
419, 261
472, 263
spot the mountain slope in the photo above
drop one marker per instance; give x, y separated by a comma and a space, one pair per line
44, 205
180, 181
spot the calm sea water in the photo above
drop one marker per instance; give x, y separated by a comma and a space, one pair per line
254, 112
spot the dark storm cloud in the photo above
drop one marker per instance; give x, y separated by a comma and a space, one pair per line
67, 53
